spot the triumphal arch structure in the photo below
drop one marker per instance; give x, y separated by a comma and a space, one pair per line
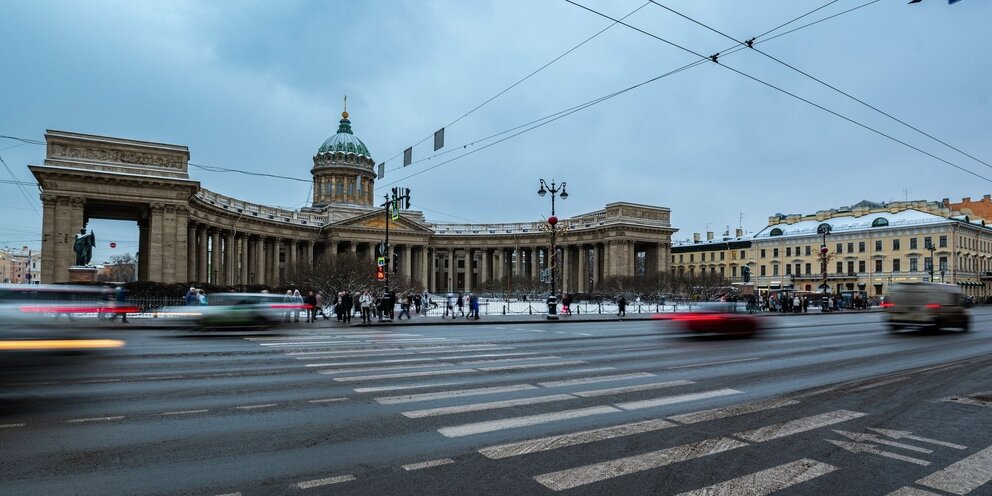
188, 233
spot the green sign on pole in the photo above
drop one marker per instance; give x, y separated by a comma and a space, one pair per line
395, 210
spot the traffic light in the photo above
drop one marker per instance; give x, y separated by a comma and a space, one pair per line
396, 261
406, 195
380, 273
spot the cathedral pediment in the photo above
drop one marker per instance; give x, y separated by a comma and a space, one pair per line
377, 220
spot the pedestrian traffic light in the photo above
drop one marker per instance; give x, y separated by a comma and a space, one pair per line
380, 273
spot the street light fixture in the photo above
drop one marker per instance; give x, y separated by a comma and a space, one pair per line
552, 222
823, 230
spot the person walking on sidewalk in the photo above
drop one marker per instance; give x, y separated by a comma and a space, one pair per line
461, 305
311, 306
473, 306
346, 303
365, 302
404, 307
120, 304
622, 306
449, 306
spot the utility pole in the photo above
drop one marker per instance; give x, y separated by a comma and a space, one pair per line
392, 209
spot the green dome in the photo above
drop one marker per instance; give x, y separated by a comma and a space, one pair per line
344, 141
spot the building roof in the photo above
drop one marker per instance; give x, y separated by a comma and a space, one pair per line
849, 223
344, 140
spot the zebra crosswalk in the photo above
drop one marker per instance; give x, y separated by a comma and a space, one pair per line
537, 404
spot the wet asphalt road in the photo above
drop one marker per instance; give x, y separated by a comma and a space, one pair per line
821, 404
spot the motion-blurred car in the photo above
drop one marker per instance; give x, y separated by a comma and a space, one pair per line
243, 311
926, 305
719, 318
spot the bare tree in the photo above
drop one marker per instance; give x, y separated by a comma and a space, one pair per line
122, 268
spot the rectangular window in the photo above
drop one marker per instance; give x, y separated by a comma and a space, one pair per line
850, 247
840, 267
762, 270
861, 246
943, 242
943, 264
927, 242
913, 267
788, 269
358, 179
840, 248
742, 254
912, 244
878, 245
692, 257
861, 266
878, 265
680, 258
808, 250
808, 267
722, 255
711, 257
721, 271
896, 265
774, 270
733, 271
775, 252
788, 251
895, 244
850, 267
762, 253
797, 269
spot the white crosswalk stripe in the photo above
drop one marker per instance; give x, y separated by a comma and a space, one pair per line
575, 438
767, 481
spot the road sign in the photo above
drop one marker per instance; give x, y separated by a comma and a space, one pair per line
113, 245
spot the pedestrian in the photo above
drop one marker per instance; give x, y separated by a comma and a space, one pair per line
449, 306
404, 307
473, 305
347, 302
201, 297
365, 302
287, 301
319, 306
461, 305
191, 298
417, 303
566, 303
120, 304
805, 304
311, 306
797, 305
297, 305
622, 307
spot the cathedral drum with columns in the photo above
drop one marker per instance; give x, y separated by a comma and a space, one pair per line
190, 234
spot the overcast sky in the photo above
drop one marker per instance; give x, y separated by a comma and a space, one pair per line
258, 86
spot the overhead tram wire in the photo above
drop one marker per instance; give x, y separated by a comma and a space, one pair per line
828, 85
786, 92
730, 50
514, 85
20, 186
213, 168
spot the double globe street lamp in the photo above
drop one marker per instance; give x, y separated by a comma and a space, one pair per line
552, 222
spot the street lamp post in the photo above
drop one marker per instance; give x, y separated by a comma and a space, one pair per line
552, 259
823, 230
931, 248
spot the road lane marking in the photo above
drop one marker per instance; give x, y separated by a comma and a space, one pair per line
324, 482
731, 411
872, 438
228, 494
583, 334
327, 400
184, 412
511, 423
711, 363
592, 380
98, 381
572, 439
409, 366
504, 360
94, 419
490, 405
963, 476
791, 427
300, 344
880, 383
580, 476
768, 481
428, 464
340, 364
405, 386
631, 389
10, 426
489, 355
911, 491
400, 376
253, 407
909, 435
410, 398
670, 400
873, 449
163, 377
532, 366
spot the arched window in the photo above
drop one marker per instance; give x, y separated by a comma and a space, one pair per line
880, 222
775, 232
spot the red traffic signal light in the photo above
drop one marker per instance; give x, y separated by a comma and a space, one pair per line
380, 273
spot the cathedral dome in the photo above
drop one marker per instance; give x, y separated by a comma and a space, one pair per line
344, 141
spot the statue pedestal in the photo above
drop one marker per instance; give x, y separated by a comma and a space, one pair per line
82, 273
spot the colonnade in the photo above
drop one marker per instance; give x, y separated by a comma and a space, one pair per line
230, 258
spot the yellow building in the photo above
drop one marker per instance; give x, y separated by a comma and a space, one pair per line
869, 247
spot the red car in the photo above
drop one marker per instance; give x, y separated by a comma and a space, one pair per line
719, 318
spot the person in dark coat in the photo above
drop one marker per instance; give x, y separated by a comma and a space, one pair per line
622, 307
311, 302
347, 302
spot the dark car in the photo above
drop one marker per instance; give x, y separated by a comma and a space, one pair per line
719, 318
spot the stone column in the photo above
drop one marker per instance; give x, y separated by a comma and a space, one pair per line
469, 258
191, 252
534, 260
407, 262
583, 275
665, 258
216, 268
202, 253
424, 268
49, 241
258, 251
450, 254
230, 259
431, 270
484, 266
308, 261
566, 273
519, 269
166, 250
241, 243
180, 229
595, 266
292, 262
275, 274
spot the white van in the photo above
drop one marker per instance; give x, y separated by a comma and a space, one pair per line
926, 305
